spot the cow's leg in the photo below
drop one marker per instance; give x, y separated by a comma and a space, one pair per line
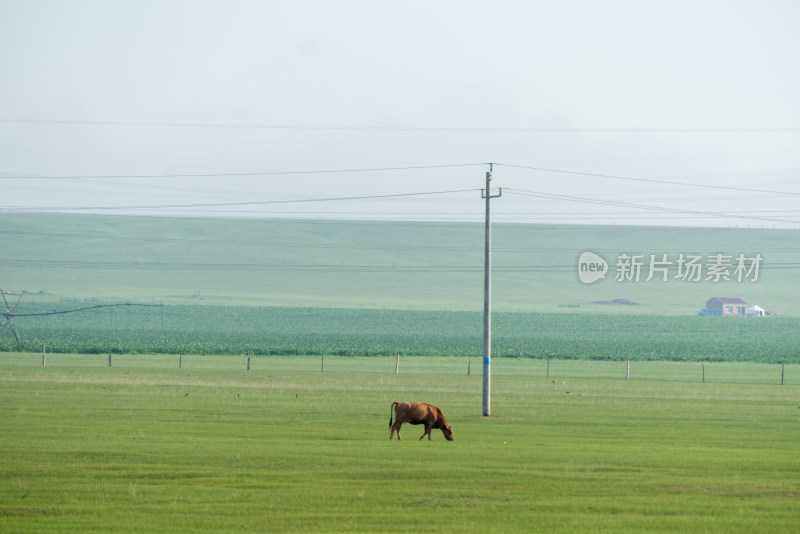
427, 431
395, 428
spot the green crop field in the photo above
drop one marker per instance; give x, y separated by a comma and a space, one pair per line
198, 329
146, 447
268, 287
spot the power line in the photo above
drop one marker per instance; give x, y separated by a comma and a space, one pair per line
296, 267
570, 198
356, 128
748, 215
652, 180
243, 174
659, 209
230, 243
247, 203
387, 169
359, 245
257, 267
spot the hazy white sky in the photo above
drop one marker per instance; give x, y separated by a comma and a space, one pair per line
599, 112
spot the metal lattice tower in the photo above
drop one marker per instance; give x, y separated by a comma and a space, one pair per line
8, 314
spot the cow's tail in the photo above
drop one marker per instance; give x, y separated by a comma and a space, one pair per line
391, 413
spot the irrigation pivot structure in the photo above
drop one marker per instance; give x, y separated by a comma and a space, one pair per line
9, 314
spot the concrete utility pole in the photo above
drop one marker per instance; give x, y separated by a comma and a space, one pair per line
487, 296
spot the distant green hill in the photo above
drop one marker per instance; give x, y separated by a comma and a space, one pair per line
392, 265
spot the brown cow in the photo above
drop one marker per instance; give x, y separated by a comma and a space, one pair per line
419, 413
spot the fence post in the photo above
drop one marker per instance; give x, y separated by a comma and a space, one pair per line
628, 371
109, 358
44, 357
548, 367
180, 360
397, 364
469, 365
783, 366
704, 371
248, 362
322, 359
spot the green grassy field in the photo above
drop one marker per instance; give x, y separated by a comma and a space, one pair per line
146, 447
703, 443
380, 265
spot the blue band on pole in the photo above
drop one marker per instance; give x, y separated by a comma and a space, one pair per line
487, 361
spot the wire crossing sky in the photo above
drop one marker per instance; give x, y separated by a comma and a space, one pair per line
593, 113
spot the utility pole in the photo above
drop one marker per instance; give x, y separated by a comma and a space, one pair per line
487, 296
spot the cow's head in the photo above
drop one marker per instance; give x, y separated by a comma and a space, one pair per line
448, 433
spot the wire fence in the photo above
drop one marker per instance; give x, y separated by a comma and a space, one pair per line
555, 369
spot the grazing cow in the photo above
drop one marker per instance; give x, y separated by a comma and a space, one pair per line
419, 413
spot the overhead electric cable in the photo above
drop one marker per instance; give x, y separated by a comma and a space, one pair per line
406, 168
288, 267
570, 198
652, 180
248, 203
257, 173
163, 124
